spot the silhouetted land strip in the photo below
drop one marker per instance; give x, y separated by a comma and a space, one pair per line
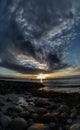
7, 86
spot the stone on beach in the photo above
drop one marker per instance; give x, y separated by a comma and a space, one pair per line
25, 114
5, 121
47, 118
18, 124
63, 108
75, 126
41, 110
38, 126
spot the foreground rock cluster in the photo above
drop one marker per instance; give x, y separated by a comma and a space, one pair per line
28, 112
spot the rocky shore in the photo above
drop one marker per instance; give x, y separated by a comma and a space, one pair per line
24, 107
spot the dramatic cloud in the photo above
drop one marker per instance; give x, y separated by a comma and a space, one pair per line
34, 34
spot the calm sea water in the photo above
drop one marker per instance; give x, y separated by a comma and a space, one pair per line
68, 85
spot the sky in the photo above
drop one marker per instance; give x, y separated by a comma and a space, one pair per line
39, 36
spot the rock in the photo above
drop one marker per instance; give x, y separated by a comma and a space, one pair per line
69, 121
64, 115
73, 113
53, 106
1, 103
18, 124
14, 109
78, 108
41, 102
66, 127
35, 116
75, 126
31, 121
8, 100
31, 103
63, 108
78, 117
25, 115
5, 121
41, 111
38, 126
74, 110
58, 100
52, 126
47, 118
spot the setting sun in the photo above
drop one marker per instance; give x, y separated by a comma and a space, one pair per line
41, 77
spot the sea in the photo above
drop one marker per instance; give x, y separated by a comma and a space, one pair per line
65, 85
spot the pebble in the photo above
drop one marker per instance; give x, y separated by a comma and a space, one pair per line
38, 126
47, 118
69, 121
25, 115
18, 124
35, 116
52, 126
63, 108
75, 126
41, 110
39, 114
5, 121
73, 113
13, 109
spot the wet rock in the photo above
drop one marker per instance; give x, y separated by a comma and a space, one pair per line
31, 121
64, 115
52, 126
14, 109
63, 108
31, 103
42, 102
35, 116
53, 106
58, 100
8, 100
2, 103
69, 121
78, 108
5, 121
73, 113
38, 126
74, 110
18, 124
47, 118
75, 126
25, 115
78, 117
41, 110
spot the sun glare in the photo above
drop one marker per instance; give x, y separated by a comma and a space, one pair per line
41, 77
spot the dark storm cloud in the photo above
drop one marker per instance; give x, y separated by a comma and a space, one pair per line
26, 46
20, 68
36, 29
